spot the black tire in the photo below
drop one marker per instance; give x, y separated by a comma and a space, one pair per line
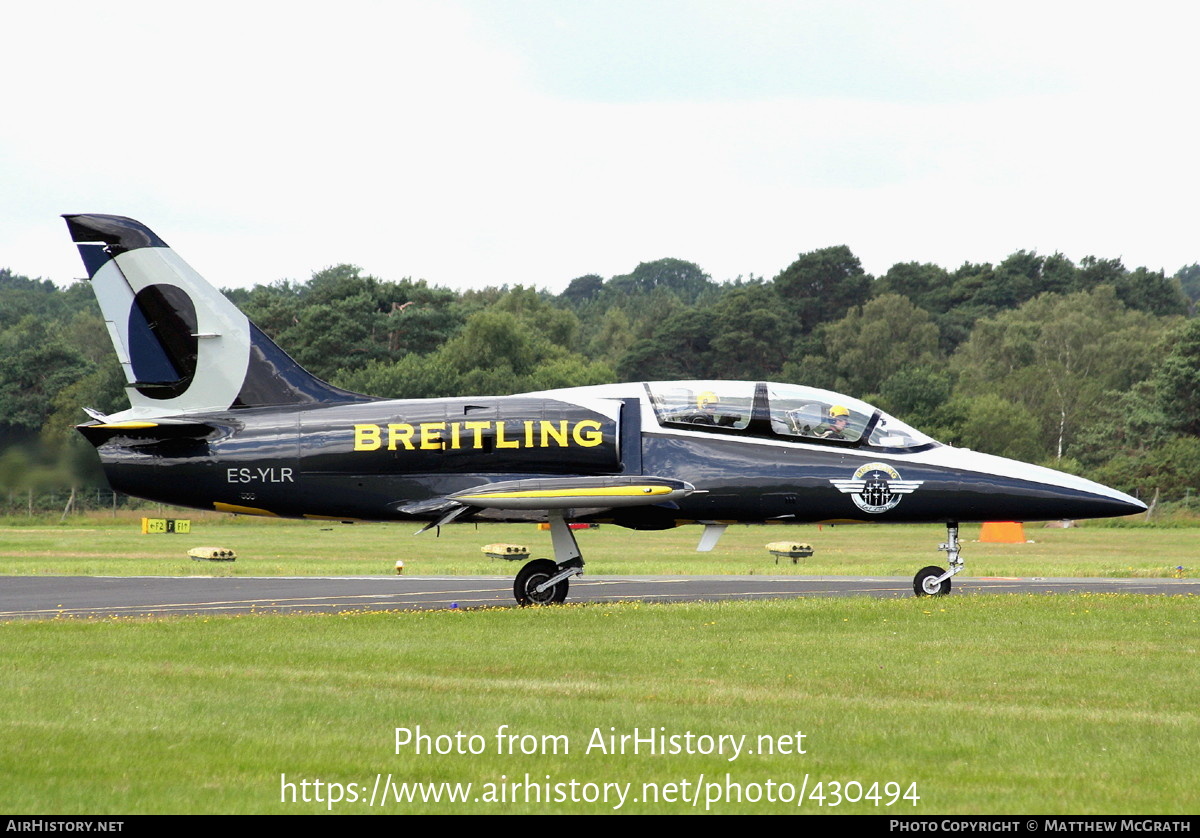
922, 582
533, 574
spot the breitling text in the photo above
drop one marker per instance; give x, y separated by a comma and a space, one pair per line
432, 436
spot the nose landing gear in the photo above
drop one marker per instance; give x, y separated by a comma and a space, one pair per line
932, 580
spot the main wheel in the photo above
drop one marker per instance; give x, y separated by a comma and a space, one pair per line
533, 574
925, 584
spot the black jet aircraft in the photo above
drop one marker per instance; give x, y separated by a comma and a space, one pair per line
221, 418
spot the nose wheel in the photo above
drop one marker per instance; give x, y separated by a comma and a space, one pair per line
932, 580
929, 582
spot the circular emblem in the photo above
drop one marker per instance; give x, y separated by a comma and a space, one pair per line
876, 495
876, 487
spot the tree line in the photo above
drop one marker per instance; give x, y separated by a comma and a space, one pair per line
1088, 367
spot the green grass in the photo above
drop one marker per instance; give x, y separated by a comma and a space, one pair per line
997, 705
103, 546
993, 705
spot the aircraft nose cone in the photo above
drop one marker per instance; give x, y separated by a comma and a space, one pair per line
1070, 497
1121, 504
1016, 491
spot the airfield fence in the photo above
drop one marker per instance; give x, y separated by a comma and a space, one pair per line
65, 502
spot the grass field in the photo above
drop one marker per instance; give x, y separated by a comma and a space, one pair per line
101, 545
1022, 705
1081, 704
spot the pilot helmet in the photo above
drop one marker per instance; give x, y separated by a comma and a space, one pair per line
839, 411
706, 399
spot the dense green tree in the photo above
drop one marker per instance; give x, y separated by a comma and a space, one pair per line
35, 365
822, 285
975, 287
1058, 356
679, 349
496, 339
878, 339
1017, 279
24, 297
537, 312
1094, 272
1123, 424
1142, 289
982, 290
1177, 378
1168, 472
811, 370
995, 425
751, 338
340, 334
568, 371
583, 289
683, 279
273, 308
613, 337
343, 319
1153, 292
918, 395
1059, 275
928, 286
411, 377
421, 325
1189, 281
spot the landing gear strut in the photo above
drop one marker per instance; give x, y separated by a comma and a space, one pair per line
932, 580
545, 582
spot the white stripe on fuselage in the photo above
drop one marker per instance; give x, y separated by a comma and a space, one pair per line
941, 456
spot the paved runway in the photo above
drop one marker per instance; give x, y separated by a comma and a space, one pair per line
47, 597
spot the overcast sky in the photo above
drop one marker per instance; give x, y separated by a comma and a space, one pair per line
480, 142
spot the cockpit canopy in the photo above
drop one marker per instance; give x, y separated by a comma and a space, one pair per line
780, 411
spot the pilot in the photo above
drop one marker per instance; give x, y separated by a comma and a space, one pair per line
706, 402
835, 426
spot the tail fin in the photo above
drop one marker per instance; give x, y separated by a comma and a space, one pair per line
184, 347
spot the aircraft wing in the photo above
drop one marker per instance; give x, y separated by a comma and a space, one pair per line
556, 493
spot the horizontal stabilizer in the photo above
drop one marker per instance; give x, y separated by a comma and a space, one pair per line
99, 433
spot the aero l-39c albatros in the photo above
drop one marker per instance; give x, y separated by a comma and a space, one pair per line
221, 418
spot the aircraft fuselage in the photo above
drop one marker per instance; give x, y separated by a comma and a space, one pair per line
222, 418
368, 461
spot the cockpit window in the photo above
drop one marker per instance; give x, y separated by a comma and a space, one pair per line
808, 413
716, 404
890, 432
816, 414
780, 411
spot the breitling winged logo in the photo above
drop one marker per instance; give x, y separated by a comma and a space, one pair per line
876, 487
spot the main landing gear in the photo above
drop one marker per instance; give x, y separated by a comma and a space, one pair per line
932, 580
545, 582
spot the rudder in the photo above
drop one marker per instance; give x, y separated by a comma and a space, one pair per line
183, 346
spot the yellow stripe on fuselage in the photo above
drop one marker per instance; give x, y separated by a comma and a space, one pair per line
126, 426
613, 491
243, 510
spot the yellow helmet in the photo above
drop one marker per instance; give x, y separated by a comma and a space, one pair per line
839, 410
705, 399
